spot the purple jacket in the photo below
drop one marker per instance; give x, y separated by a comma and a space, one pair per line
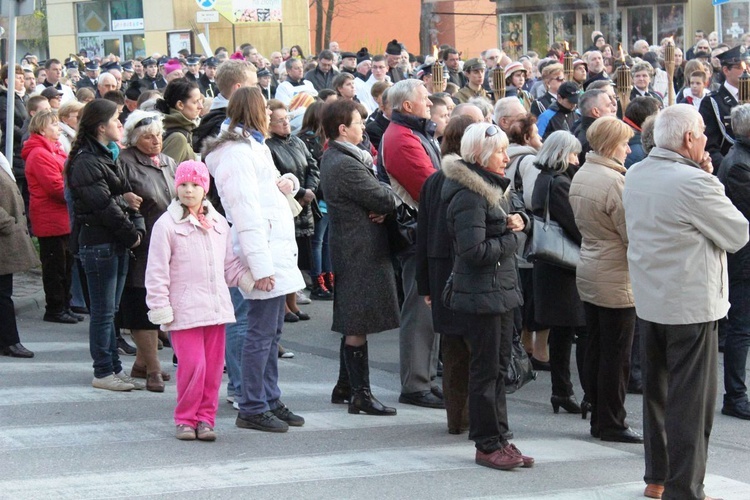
188, 271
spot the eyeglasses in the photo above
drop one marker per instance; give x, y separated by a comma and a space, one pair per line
280, 120
146, 121
491, 131
559, 79
356, 123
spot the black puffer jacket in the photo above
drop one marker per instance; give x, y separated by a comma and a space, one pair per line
290, 155
97, 184
484, 267
19, 117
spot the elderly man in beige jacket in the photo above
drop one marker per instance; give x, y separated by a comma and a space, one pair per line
680, 225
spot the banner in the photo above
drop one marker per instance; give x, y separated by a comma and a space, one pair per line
250, 11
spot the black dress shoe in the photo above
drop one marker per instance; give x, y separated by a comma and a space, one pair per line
624, 436
540, 366
80, 310
17, 351
290, 317
302, 315
424, 399
78, 317
61, 317
739, 410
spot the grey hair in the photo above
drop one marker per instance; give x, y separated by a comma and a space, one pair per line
507, 106
132, 134
403, 91
647, 134
483, 104
741, 120
643, 66
107, 76
290, 62
476, 147
673, 123
588, 101
556, 149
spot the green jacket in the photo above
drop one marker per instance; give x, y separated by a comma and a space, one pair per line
178, 137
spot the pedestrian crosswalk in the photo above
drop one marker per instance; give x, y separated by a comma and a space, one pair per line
62, 439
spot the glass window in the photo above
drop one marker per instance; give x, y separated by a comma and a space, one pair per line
670, 21
93, 45
588, 22
127, 9
93, 17
134, 46
734, 20
511, 33
641, 25
606, 28
564, 24
537, 29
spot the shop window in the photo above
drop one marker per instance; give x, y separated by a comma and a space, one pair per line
93, 17
134, 46
127, 9
537, 30
511, 34
670, 21
734, 21
564, 25
640, 25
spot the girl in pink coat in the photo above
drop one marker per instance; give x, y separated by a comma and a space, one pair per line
190, 266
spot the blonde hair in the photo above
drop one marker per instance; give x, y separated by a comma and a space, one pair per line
40, 121
68, 109
606, 134
551, 70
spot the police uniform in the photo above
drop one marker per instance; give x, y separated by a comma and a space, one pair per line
716, 110
208, 88
86, 80
148, 83
193, 61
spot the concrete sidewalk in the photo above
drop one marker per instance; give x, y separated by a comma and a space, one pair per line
28, 293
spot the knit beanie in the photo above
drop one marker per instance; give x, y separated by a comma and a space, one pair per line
192, 171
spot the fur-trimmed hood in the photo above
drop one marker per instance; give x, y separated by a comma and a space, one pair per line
177, 212
492, 187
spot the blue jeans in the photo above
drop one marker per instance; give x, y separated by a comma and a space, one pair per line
260, 356
737, 329
321, 256
235, 337
106, 267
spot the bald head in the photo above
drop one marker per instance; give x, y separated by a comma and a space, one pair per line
471, 110
507, 111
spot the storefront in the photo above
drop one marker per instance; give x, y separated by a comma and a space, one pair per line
110, 27
531, 25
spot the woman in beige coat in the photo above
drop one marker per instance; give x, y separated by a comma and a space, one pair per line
602, 278
18, 255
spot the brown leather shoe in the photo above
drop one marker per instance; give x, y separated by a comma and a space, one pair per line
499, 459
155, 382
527, 461
653, 490
140, 372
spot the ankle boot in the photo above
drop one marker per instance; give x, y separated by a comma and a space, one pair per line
362, 400
342, 392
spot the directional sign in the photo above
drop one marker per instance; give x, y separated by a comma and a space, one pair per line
207, 16
206, 4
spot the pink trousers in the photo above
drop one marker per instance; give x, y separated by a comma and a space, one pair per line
200, 365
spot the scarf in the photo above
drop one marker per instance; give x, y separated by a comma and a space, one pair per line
5, 165
358, 153
204, 221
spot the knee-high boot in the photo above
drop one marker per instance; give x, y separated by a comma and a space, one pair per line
342, 391
362, 400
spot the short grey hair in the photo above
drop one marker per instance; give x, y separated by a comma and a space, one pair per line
556, 149
403, 91
508, 106
132, 134
483, 104
673, 123
476, 147
643, 66
588, 101
741, 120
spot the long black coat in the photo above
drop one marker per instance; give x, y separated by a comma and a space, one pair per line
735, 175
290, 155
19, 117
556, 299
365, 299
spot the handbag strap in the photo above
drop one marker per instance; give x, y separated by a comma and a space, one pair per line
546, 202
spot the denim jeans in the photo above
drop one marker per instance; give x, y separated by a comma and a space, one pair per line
235, 338
737, 330
106, 267
321, 256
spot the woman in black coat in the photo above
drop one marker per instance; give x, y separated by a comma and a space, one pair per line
556, 300
483, 284
105, 211
365, 298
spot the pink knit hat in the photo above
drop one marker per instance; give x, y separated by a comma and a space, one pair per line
237, 56
192, 171
172, 65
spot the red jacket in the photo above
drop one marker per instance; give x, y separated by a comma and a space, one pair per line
404, 152
44, 174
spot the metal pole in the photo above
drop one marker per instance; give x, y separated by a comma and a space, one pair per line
719, 28
205, 30
613, 25
9, 115
281, 34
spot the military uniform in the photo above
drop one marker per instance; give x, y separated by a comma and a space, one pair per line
466, 92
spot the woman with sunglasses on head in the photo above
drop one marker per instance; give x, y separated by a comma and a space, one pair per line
151, 176
482, 222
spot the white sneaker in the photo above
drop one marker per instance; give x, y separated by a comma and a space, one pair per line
111, 383
137, 384
236, 405
303, 299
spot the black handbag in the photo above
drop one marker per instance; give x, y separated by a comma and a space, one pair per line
401, 225
548, 241
520, 371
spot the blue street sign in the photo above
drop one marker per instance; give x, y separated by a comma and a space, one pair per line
718, 2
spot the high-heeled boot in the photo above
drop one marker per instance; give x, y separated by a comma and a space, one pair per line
362, 400
569, 404
342, 392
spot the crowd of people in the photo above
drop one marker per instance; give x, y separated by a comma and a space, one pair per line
200, 196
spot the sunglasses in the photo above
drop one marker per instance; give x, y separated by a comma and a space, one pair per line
145, 121
491, 131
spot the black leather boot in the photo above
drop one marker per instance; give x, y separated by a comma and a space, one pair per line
342, 392
362, 400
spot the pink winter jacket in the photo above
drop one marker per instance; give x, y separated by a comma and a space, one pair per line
188, 271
